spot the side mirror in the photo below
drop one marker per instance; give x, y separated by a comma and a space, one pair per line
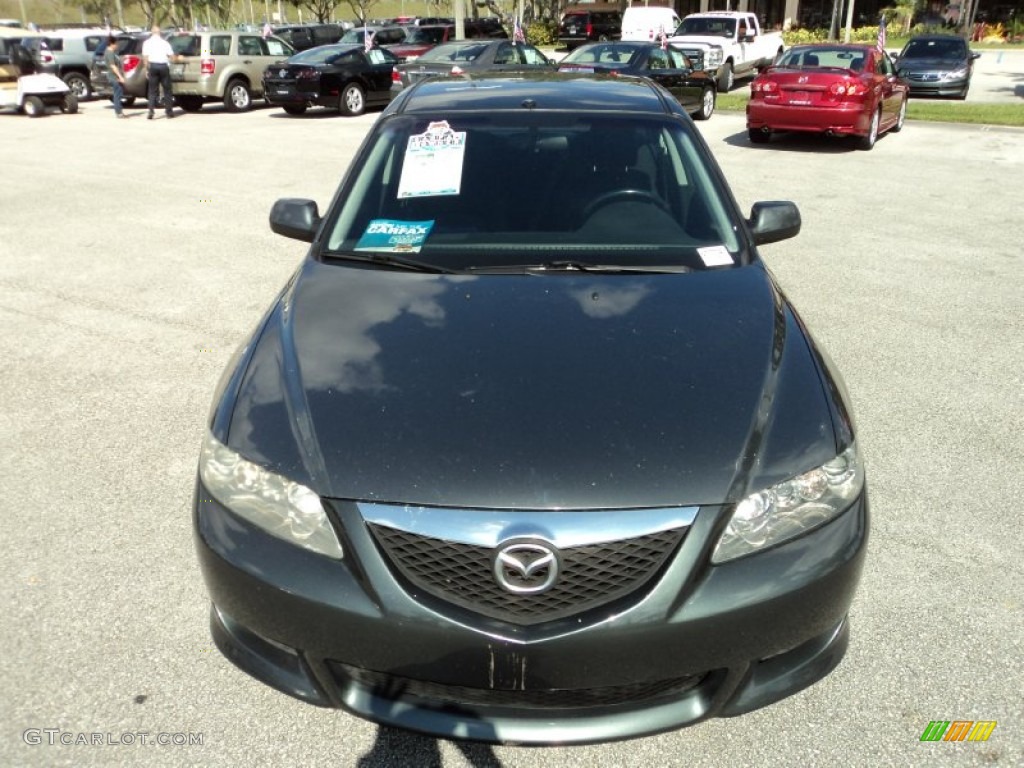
975, 55
295, 218
772, 221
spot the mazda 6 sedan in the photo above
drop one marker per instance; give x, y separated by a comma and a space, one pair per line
828, 88
515, 465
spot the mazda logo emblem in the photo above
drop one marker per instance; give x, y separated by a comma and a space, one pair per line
526, 567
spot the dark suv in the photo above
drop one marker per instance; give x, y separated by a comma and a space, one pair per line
301, 37
581, 24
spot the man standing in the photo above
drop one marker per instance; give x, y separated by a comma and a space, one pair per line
157, 55
115, 74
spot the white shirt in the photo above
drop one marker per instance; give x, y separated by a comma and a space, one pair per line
156, 50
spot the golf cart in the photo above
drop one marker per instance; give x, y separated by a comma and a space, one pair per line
24, 83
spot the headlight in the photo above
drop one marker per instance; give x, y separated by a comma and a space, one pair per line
793, 507
280, 506
715, 57
956, 74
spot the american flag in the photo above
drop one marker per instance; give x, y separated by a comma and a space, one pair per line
881, 35
518, 36
663, 38
368, 41
267, 29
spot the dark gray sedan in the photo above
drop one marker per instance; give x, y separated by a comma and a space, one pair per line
937, 65
472, 57
676, 69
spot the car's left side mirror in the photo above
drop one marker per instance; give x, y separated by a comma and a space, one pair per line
296, 218
975, 55
771, 221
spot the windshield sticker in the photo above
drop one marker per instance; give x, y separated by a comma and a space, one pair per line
433, 162
715, 256
392, 236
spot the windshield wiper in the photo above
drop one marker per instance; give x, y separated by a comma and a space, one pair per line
569, 265
389, 260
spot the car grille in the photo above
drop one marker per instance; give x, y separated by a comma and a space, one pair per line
394, 688
928, 77
590, 576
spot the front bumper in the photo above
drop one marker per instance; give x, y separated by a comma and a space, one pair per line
697, 642
841, 119
937, 88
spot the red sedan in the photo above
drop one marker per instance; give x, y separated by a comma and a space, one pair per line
842, 90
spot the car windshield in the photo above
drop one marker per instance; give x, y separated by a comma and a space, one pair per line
947, 50
477, 192
614, 55
708, 26
454, 52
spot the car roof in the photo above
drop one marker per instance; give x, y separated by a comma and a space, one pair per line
490, 92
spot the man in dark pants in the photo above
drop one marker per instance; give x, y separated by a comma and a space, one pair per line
158, 55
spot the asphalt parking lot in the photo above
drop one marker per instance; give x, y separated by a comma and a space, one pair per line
136, 254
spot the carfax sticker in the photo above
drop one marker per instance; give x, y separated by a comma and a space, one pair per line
392, 236
715, 256
433, 162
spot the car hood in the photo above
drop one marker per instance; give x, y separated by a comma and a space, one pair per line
567, 391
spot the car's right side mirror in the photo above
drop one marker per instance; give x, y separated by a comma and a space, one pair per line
771, 221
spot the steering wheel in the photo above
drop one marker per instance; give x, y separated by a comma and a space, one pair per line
626, 195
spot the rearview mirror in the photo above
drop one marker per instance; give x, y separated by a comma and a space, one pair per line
295, 218
772, 221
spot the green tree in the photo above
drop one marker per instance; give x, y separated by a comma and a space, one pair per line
323, 9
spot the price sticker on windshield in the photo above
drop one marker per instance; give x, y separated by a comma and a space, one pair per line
433, 162
715, 256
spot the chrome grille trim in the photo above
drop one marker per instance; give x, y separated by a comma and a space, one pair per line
563, 528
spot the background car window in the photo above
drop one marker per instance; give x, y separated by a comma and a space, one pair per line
249, 46
505, 55
274, 47
190, 45
220, 45
657, 59
531, 55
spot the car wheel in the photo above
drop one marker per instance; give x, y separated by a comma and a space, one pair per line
757, 136
190, 103
353, 100
725, 77
237, 97
707, 104
901, 118
295, 109
70, 103
127, 101
79, 85
868, 142
33, 106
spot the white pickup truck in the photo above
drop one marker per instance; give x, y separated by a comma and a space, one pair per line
733, 43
